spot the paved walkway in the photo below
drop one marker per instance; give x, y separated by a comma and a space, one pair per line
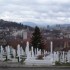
34, 68
19, 66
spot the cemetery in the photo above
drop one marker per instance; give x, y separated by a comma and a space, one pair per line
33, 56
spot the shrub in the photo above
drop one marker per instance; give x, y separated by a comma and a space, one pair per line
57, 63
40, 57
22, 61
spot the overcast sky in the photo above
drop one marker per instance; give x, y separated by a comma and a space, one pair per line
38, 11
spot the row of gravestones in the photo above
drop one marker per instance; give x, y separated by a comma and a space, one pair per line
8, 53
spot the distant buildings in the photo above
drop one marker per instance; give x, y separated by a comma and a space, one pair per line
59, 36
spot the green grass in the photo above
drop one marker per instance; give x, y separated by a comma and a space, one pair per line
65, 64
57, 63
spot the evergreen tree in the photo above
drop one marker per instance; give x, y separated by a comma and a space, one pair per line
37, 39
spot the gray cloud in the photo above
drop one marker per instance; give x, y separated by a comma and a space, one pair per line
38, 11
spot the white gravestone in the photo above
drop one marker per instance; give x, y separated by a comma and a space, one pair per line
21, 51
1, 53
27, 50
32, 52
8, 52
14, 53
18, 52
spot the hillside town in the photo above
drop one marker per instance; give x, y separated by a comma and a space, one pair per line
34, 34
16, 44
59, 35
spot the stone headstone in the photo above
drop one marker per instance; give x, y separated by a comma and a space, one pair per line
1, 53
14, 53
21, 51
18, 52
32, 52
27, 50
8, 52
